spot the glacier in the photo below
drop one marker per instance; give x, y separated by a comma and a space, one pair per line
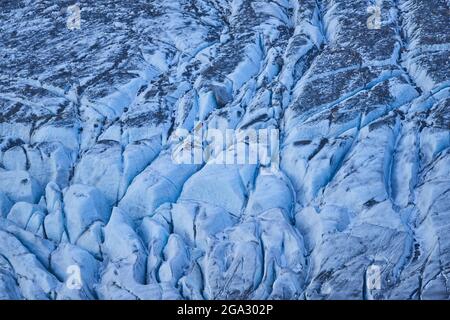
93, 205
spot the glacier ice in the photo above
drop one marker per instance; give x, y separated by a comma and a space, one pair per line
89, 123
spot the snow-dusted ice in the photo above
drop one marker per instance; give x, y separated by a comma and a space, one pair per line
93, 205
